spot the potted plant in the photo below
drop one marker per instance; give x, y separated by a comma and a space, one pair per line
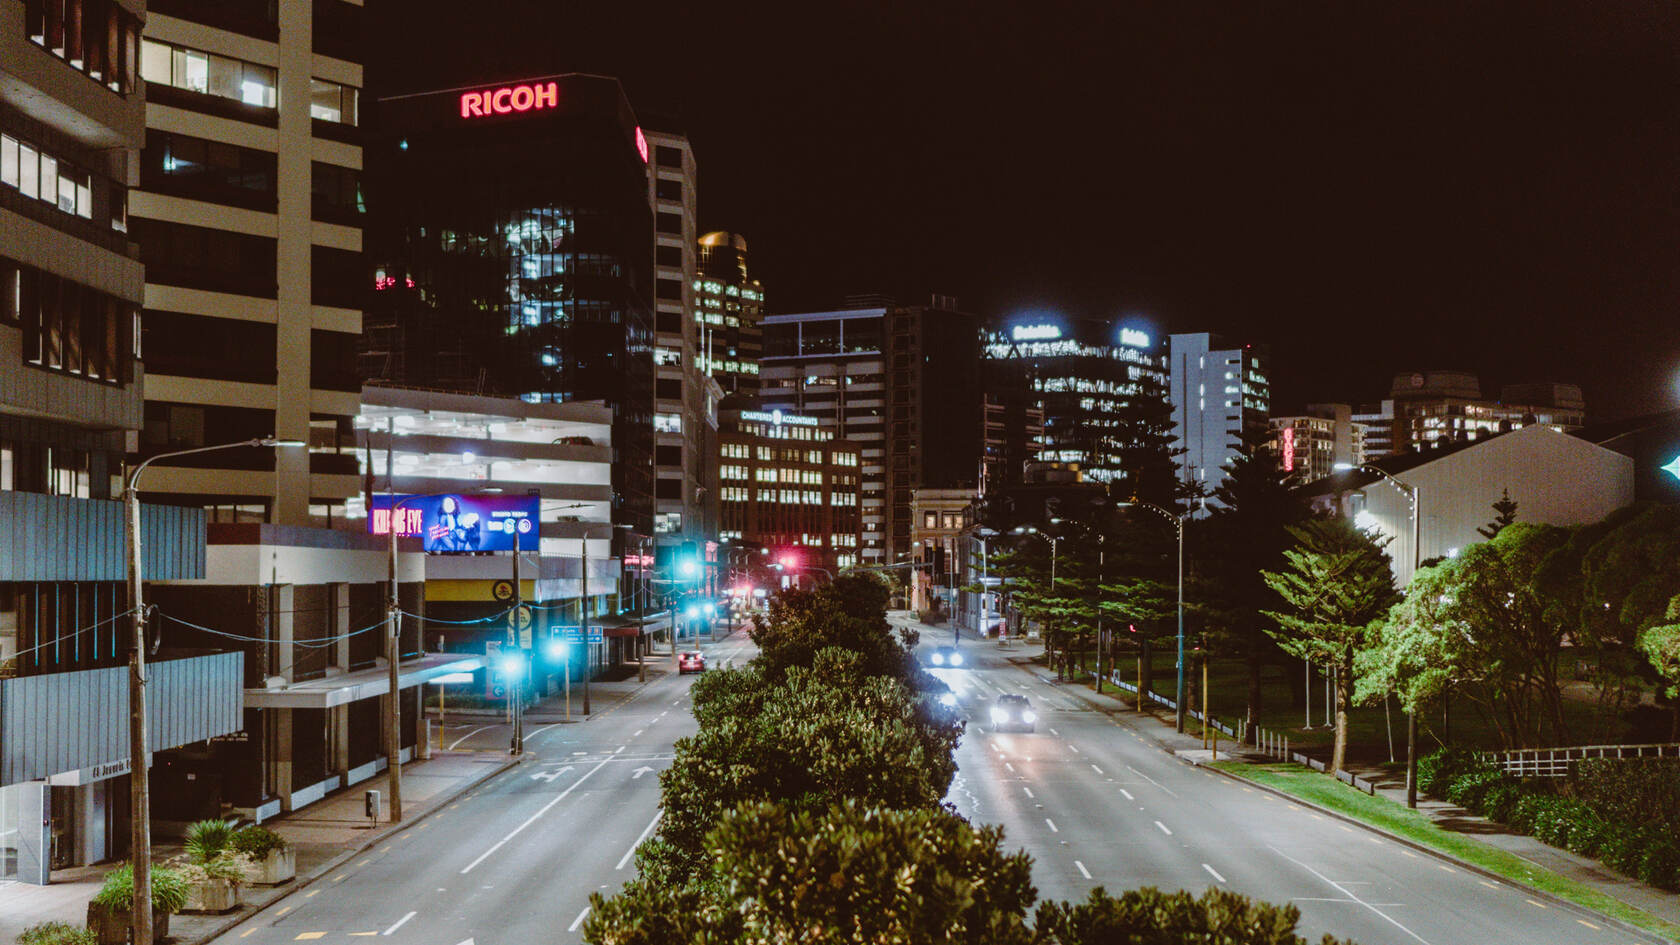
57, 933
108, 913
212, 869
270, 859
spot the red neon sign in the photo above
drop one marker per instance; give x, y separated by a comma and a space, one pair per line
508, 99
641, 144
1288, 436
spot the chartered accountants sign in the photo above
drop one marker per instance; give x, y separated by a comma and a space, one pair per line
778, 418
510, 99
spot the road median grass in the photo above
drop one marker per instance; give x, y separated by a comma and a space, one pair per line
1384, 814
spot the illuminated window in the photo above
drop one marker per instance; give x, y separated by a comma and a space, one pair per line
206, 73
332, 102
667, 423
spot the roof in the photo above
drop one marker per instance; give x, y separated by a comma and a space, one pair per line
1603, 434
1354, 479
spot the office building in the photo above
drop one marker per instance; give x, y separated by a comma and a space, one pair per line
1430, 408
249, 220
790, 487
1082, 375
731, 305
532, 279
1221, 397
900, 382
937, 520
1377, 420
72, 121
1309, 446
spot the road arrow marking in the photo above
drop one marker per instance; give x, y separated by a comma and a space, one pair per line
644, 769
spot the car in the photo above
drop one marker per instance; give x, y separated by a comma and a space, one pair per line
946, 656
1013, 713
690, 662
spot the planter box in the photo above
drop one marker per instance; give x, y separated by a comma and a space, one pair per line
111, 928
278, 867
214, 896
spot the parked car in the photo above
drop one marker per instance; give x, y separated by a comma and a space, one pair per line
946, 656
690, 662
1013, 713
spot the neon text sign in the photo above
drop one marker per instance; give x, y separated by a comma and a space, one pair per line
1035, 332
1133, 337
509, 99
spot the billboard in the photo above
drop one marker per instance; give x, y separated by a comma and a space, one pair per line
459, 524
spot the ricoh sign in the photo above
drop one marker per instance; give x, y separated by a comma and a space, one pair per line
510, 99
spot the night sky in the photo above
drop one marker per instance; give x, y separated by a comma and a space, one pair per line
1366, 187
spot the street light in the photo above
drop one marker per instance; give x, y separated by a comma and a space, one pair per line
1411, 492
139, 793
1053, 540
583, 615
1178, 525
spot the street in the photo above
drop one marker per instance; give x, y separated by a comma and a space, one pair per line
1096, 802
515, 860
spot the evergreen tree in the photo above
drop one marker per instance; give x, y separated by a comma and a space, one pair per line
1505, 513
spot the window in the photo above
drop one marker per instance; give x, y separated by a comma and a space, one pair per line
95, 37
337, 192
666, 189
204, 347
669, 223
208, 170
667, 456
38, 174
667, 356
671, 256
200, 257
668, 388
668, 489
67, 326
667, 423
666, 156
208, 74
332, 102
670, 289
667, 522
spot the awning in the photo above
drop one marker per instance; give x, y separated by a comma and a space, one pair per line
329, 691
652, 624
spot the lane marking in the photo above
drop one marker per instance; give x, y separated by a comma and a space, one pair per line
1213, 872
1152, 781
1537, 905
1408, 853
1027, 789
467, 736
533, 818
1446, 867
1096, 769
1588, 924
1164, 828
578, 921
246, 932
638, 733
1082, 870
645, 831
618, 749
1074, 749
283, 911
311, 893
1488, 884
309, 936
1052, 824
399, 923
1128, 794
339, 878
1009, 766
540, 731
1056, 733
1349, 893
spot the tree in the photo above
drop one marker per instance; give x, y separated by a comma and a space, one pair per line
1149, 916
813, 737
1505, 513
849, 612
1336, 581
1661, 645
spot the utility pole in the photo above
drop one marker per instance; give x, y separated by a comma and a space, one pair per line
583, 621
516, 744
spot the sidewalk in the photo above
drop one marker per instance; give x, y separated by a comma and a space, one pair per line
1158, 724
324, 834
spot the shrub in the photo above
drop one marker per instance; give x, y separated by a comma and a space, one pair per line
169, 890
1552, 822
1501, 800
1468, 789
1630, 790
1588, 833
1525, 812
1437, 770
1622, 849
1660, 866
57, 933
206, 838
257, 842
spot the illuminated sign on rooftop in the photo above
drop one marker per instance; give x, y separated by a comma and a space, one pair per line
1133, 337
509, 99
777, 417
1035, 332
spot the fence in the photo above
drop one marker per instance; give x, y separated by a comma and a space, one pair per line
1555, 762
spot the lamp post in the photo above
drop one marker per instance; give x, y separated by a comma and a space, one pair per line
1411, 492
1054, 540
1178, 526
583, 613
139, 794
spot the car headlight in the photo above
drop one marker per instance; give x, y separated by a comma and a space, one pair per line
947, 699
956, 659
1029, 716
939, 659
1000, 715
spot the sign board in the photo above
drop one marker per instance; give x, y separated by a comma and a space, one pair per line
575, 634
1133, 337
509, 99
459, 524
1035, 332
777, 417
1286, 438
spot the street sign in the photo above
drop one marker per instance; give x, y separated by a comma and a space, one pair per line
575, 634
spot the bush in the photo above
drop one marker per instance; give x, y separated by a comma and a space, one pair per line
169, 890
1525, 812
1437, 770
1469, 789
257, 842
207, 838
1630, 790
1501, 800
57, 933
1552, 823
1588, 833
1660, 866
1622, 848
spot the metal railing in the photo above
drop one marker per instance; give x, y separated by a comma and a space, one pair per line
1555, 762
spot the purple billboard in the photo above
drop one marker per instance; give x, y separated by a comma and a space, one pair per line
459, 524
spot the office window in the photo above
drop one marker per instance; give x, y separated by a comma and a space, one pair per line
207, 73
668, 256
667, 423
94, 37
208, 170
330, 101
669, 289
669, 223
666, 189
667, 156
337, 191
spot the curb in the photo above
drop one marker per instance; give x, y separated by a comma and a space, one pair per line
304, 882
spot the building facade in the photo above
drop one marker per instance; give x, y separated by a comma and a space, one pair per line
1428, 408
1309, 446
1221, 397
937, 520
249, 219
534, 281
731, 305
791, 487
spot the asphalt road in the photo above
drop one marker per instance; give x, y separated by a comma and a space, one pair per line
1095, 802
514, 861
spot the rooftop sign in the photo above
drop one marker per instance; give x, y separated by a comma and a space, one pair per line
777, 417
1133, 337
509, 99
1035, 332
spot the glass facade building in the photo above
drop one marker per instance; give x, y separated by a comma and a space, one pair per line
510, 252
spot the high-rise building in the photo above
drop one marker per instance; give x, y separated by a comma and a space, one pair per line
510, 239
72, 121
900, 381
1430, 408
685, 409
791, 487
1082, 375
1221, 397
1309, 446
731, 304
249, 220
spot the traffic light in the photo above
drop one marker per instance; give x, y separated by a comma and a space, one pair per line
788, 559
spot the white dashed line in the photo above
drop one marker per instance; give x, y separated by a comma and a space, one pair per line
578, 921
1213, 872
1074, 749
1027, 789
1056, 733
1082, 870
1096, 769
1052, 824
1128, 794
1164, 828
1009, 766
638, 733
399, 923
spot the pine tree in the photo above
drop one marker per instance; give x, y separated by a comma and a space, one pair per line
1505, 513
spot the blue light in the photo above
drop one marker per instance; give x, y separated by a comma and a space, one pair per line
511, 664
692, 612
555, 649
688, 567
711, 608
1673, 468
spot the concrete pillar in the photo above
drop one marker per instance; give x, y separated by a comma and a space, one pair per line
338, 718
34, 836
280, 613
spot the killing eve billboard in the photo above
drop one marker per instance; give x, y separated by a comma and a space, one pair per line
459, 524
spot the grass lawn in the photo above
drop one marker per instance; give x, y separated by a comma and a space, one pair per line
1384, 814
1368, 733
